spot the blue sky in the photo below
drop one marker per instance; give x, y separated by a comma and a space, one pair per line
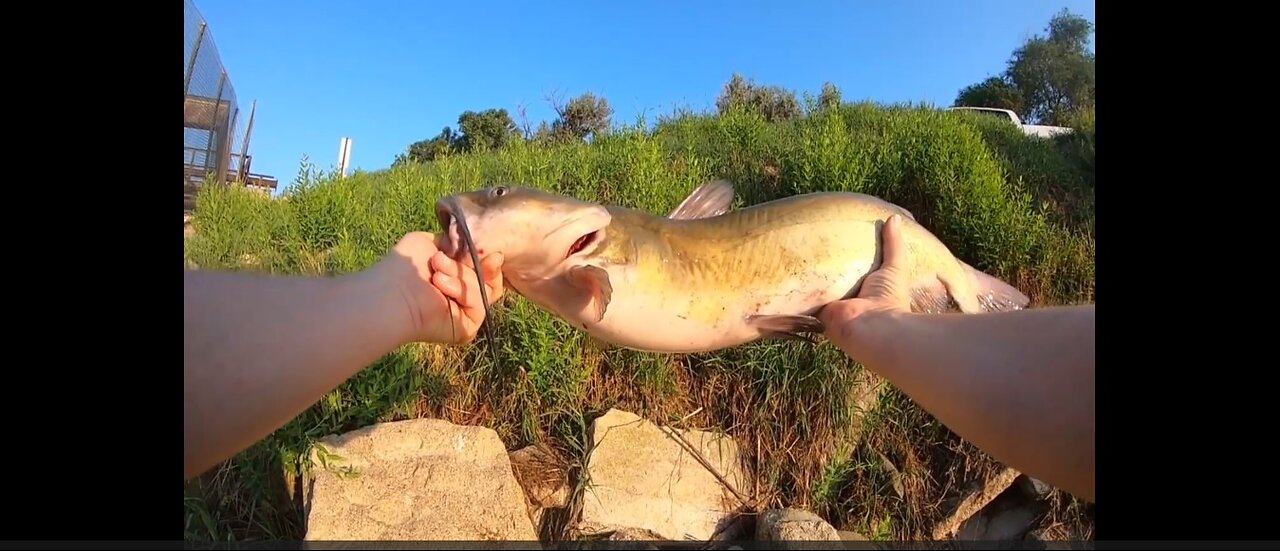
387, 73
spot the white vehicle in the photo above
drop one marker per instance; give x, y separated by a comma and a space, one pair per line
1029, 129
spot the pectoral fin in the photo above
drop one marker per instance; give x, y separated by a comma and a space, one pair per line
710, 199
787, 326
593, 281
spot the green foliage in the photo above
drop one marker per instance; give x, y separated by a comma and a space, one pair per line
994, 92
773, 103
488, 129
829, 98
583, 116
477, 131
1048, 79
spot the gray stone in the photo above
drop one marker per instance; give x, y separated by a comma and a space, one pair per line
850, 535
416, 480
1007, 518
975, 499
640, 476
544, 478
1035, 487
782, 525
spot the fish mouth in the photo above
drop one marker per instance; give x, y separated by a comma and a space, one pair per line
582, 243
453, 243
448, 213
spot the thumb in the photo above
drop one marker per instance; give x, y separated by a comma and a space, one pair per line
895, 253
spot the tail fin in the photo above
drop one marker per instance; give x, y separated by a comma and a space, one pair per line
996, 295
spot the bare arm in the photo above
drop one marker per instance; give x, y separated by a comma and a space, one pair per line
259, 349
1019, 384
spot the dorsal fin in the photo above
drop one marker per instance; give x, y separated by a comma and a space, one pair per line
710, 199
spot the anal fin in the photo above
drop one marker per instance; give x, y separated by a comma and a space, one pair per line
785, 326
932, 299
995, 295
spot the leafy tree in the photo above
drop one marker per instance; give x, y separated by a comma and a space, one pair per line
543, 133
1048, 80
995, 92
829, 97
488, 129
772, 102
430, 149
583, 116
1055, 73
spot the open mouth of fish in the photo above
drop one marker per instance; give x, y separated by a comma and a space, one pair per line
458, 237
581, 243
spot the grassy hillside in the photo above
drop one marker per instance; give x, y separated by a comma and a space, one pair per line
1018, 208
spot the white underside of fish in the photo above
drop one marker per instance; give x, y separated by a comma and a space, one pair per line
689, 322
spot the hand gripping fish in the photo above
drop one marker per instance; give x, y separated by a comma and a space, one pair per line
704, 277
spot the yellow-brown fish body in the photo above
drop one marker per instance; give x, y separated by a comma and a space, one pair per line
704, 277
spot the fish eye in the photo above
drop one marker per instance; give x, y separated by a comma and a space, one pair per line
498, 191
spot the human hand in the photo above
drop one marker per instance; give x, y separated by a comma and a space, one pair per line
885, 290
442, 294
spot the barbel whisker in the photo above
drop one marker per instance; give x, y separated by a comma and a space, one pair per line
484, 295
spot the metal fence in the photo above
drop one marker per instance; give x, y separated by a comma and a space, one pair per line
210, 107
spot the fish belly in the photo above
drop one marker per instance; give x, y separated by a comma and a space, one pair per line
707, 301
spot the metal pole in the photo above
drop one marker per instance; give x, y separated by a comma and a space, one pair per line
213, 126
191, 65
344, 154
244, 145
225, 157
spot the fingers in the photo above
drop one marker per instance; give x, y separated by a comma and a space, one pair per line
449, 286
491, 266
441, 263
836, 313
458, 282
895, 249
838, 318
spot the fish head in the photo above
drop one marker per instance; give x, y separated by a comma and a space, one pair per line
539, 234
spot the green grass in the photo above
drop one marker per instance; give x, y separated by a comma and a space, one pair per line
1018, 208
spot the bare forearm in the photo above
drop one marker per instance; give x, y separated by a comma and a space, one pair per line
258, 350
1019, 384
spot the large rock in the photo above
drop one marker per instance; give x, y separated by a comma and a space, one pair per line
1009, 517
419, 480
1035, 488
544, 477
640, 476
788, 525
979, 494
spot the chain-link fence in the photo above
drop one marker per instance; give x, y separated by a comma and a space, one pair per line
210, 108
